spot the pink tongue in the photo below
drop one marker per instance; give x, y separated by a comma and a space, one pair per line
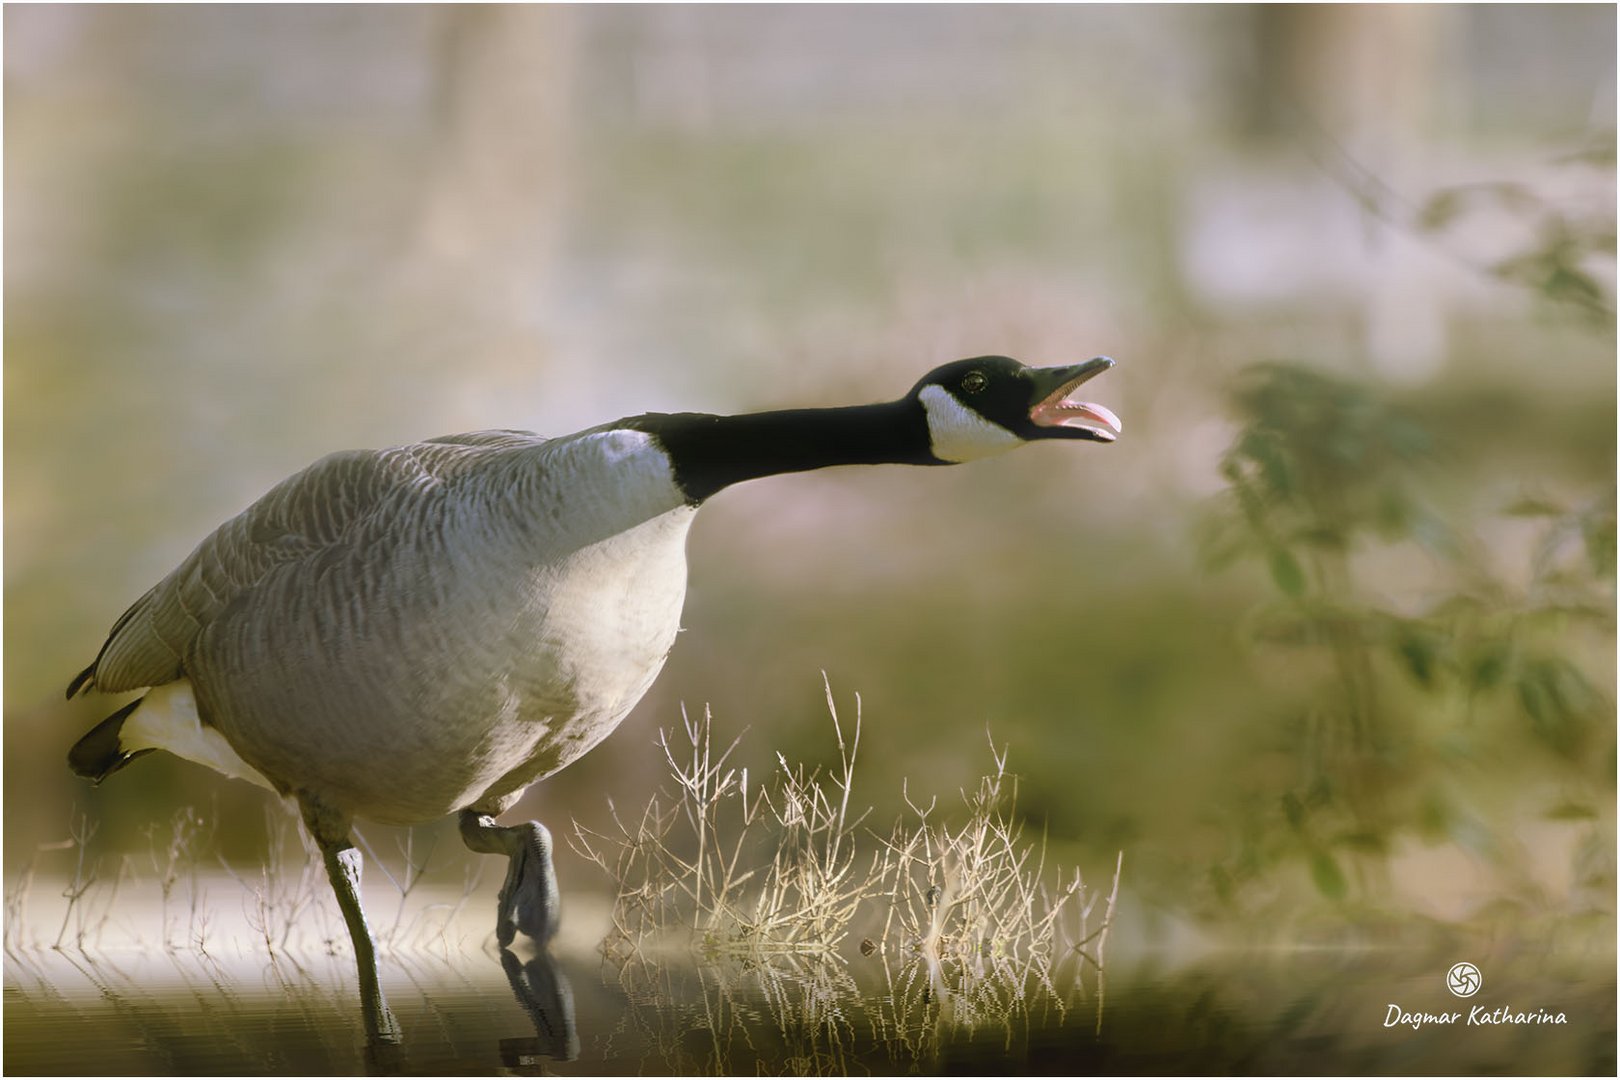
1075, 414
1092, 411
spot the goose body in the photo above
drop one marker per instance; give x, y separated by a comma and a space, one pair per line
410, 632
401, 634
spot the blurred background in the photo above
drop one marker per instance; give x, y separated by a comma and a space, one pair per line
1325, 642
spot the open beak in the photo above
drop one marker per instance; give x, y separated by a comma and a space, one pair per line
1055, 406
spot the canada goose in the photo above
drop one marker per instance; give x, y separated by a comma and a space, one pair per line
402, 634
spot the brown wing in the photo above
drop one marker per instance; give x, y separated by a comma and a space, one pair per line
304, 515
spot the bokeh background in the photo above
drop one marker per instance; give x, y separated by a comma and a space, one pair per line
1326, 646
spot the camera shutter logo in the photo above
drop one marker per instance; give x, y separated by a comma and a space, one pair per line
1464, 979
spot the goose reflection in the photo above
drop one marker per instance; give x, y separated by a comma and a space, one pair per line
546, 995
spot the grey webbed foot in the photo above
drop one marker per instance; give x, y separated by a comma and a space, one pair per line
529, 900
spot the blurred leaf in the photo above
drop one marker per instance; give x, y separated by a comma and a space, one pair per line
1448, 203
1462, 604
1593, 861
1559, 700
1600, 153
1222, 540
1514, 196
1293, 810
1443, 207
1434, 815
1597, 530
1571, 811
1249, 501
1565, 281
1602, 241
1393, 514
1487, 667
1504, 910
1365, 841
1553, 269
1531, 506
1283, 626
1328, 877
1556, 617
1409, 439
1325, 537
1419, 652
1536, 698
1263, 449
1286, 573
1288, 1023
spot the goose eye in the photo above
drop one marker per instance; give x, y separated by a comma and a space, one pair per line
974, 381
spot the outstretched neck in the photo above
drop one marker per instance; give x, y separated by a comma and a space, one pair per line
713, 452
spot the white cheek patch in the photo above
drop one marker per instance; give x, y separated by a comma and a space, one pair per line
956, 433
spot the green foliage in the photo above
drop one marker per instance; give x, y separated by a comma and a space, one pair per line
1559, 263
1420, 720
1320, 460
1328, 877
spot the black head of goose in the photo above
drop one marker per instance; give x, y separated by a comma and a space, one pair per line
402, 634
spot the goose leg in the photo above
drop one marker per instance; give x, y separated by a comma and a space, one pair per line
343, 870
529, 900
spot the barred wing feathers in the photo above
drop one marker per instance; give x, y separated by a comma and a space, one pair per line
314, 511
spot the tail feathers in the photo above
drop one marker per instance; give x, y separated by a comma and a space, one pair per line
81, 681
100, 753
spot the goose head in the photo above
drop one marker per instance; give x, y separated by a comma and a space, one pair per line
991, 404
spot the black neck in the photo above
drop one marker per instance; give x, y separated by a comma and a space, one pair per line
713, 452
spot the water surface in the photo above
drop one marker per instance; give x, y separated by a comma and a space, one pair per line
155, 1011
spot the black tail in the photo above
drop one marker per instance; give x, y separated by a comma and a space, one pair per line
80, 680
98, 755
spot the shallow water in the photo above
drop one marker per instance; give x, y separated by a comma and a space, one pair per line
153, 1011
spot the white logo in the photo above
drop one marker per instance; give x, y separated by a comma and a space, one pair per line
1464, 979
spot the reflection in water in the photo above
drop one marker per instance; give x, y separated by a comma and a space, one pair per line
231, 1011
224, 1003
819, 1014
188, 1013
546, 995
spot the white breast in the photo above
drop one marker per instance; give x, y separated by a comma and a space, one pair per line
604, 617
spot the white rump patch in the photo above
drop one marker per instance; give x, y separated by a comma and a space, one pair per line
168, 720
956, 433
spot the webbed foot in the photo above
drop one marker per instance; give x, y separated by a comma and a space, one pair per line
529, 900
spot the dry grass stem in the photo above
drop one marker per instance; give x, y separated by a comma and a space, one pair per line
779, 867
